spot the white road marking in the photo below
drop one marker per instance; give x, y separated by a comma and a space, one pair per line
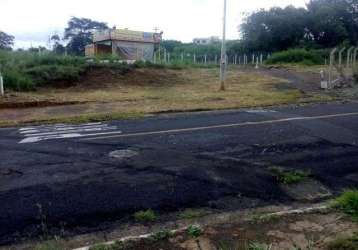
299, 118
62, 131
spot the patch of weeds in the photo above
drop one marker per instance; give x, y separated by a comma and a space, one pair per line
289, 176
192, 213
349, 243
259, 246
49, 245
257, 218
118, 245
161, 235
194, 231
145, 216
348, 203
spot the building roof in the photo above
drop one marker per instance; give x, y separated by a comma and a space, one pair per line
127, 35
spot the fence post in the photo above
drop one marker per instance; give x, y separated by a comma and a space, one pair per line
340, 57
1, 85
194, 59
349, 51
165, 56
257, 63
239, 60
331, 62
205, 58
355, 56
261, 59
168, 57
253, 59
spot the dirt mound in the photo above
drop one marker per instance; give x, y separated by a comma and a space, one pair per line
107, 77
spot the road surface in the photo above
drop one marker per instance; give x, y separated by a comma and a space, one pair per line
77, 177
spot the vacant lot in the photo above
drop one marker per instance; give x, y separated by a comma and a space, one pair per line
106, 93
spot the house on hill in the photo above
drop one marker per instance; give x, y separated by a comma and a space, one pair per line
126, 44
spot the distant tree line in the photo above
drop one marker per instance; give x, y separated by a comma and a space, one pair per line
322, 24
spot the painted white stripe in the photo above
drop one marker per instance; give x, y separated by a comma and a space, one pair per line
63, 136
72, 131
300, 118
50, 129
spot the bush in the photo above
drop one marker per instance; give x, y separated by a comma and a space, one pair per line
145, 216
16, 81
348, 203
300, 56
45, 74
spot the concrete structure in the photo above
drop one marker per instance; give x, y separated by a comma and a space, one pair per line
126, 44
206, 41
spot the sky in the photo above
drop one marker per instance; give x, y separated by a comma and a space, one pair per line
33, 21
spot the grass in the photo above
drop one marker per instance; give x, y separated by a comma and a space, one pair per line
155, 90
300, 56
192, 213
259, 246
194, 231
348, 243
118, 245
49, 245
161, 235
289, 176
145, 216
348, 203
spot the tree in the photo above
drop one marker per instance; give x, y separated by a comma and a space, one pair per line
79, 33
6, 41
58, 48
275, 29
332, 22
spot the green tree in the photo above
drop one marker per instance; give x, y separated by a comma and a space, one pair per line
79, 33
6, 41
331, 22
58, 48
275, 29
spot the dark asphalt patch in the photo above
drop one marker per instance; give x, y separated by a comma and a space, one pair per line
80, 188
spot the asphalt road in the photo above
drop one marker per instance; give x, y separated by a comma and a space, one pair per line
81, 176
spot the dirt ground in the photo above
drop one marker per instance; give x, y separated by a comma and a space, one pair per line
161, 90
237, 230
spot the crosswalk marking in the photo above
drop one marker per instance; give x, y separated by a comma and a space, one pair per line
63, 131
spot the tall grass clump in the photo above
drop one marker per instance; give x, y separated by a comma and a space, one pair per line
25, 70
297, 56
348, 203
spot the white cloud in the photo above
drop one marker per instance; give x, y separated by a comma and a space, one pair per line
179, 19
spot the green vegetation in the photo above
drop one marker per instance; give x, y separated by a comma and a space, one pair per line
118, 245
25, 71
289, 176
192, 213
49, 245
145, 216
258, 246
348, 203
161, 235
194, 231
299, 56
348, 243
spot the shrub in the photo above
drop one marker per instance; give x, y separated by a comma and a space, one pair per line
300, 56
288, 176
350, 243
15, 80
161, 235
194, 231
348, 203
145, 216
